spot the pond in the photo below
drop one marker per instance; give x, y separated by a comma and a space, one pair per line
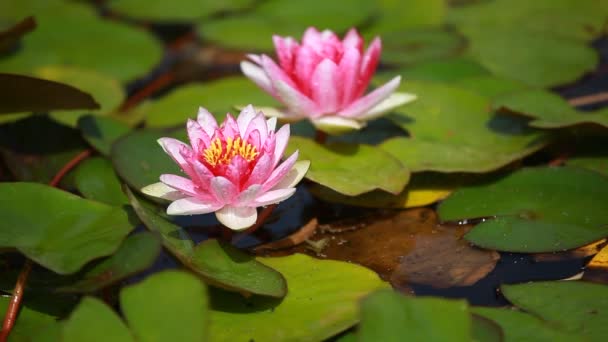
390, 170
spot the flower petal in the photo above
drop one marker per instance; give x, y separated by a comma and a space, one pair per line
175, 149
348, 69
237, 218
393, 101
197, 135
369, 63
336, 124
223, 189
362, 105
261, 170
207, 121
286, 49
281, 140
161, 190
306, 61
275, 73
248, 195
298, 104
294, 176
258, 76
257, 124
279, 173
192, 206
274, 196
353, 39
182, 184
247, 114
271, 124
325, 89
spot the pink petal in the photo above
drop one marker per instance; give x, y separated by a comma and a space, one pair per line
331, 46
257, 59
294, 176
236, 171
286, 49
298, 104
198, 137
203, 174
393, 101
325, 90
230, 127
260, 171
207, 121
311, 37
223, 189
279, 173
274, 196
258, 76
281, 140
364, 104
274, 72
348, 69
353, 40
247, 114
182, 184
192, 206
237, 218
248, 195
258, 124
174, 149
369, 63
306, 62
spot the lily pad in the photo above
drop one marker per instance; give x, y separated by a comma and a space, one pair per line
453, 130
574, 306
177, 313
96, 180
218, 97
534, 210
412, 46
351, 169
390, 316
183, 10
407, 14
548, 110
490, 86
520, 326
20, 93
136, 253
92, 321
65, 232
216, 262
321, 302
101, 132
10, 36
443, 70
32, 324
64, 37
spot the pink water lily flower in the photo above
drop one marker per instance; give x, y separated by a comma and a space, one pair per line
232, 169
324, 79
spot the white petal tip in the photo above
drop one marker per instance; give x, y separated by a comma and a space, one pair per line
161, 190
294, 176
337, 125
237, 218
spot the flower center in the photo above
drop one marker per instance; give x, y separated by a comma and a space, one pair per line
222, 151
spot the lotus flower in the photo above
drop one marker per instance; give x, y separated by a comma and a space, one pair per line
324, 79
232, 169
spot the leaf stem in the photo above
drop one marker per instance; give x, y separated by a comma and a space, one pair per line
69, 166
320, 137
13, 306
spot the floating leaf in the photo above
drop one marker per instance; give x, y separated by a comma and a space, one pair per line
548, 110
351, 169
101, 132
218, 263
32, 324
390, 316
597, 269
96, 180
443, 70
419, 46
534, 210
486, 330
183, 10
19, 93
92, 321
490, 86
218, 97
520, 326
574, 306
321, 302
136, 253
407, 15
64, 37
453, 130
56, 229
178, 311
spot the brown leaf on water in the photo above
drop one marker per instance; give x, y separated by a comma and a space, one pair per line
404, 247
577, 253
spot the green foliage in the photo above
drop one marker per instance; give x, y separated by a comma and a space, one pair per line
96, 180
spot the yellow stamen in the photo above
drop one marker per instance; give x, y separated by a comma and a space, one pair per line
222, 152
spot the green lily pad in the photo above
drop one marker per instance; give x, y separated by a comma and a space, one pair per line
32, 324
96, 180
219, 97
548, 110
421, 45
107, 91
534, 210
490, 86
520, 326
64, 37
321, 302
597, 163
92, 321
406, 15
101, 132
139, 160
136, 253
11, 34
20, 93
574, 306
56, 229
183, 10
390, 316
351, 169
486, 330
453, 130
177, 313
443, 70
216, 262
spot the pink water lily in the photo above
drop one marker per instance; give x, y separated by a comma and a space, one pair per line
324, 79
232, 169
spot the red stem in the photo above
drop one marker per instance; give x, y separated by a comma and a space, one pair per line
320, 137
69, 166
13, 306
